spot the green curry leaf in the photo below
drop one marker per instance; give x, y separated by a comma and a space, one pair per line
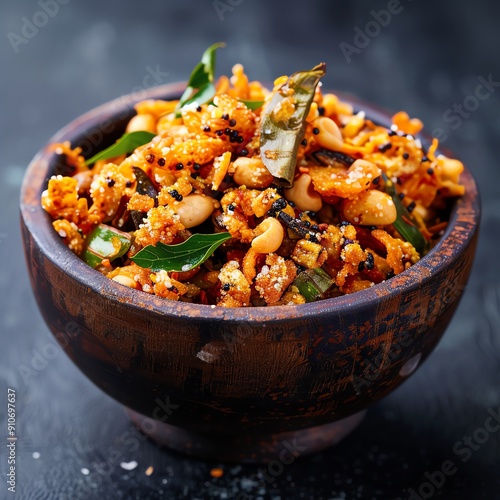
126, 144
253, 105
404, 223
181, 257
280, 138
200, 87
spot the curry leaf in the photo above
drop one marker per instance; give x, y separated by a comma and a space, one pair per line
181, 257
126, 144
282, 131
404, 223
204, 94
253, 105
200, 87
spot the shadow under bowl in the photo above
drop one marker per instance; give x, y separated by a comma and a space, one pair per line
238, 384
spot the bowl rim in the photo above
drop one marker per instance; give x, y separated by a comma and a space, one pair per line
460, 232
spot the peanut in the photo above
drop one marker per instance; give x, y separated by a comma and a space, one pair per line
370, 208
194, 209
125, 280
252, 173
329, 136
142, 122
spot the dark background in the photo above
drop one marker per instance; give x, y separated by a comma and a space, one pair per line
426, 60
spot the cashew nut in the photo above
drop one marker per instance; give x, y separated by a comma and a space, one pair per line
270, 234
304, 196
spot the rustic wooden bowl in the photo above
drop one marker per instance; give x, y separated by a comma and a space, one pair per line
239, 384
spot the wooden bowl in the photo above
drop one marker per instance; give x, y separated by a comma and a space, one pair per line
239, 384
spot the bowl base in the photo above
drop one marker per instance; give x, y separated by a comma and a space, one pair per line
251, 448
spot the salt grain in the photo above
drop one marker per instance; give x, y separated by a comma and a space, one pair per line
129, 465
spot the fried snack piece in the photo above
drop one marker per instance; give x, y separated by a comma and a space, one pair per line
140, 202
108, 188
229, 121
344, 182
235, 289
174, 192
167, 287
155, 107
250, 264
352, 255
61, 197
161, 224
399, 252
408, 126
275, 277
309, 254
61, 201
133, 276
176, 146
72, 237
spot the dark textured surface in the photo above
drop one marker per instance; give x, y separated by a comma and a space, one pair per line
425, 61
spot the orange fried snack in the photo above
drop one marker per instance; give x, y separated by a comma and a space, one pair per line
204, 173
